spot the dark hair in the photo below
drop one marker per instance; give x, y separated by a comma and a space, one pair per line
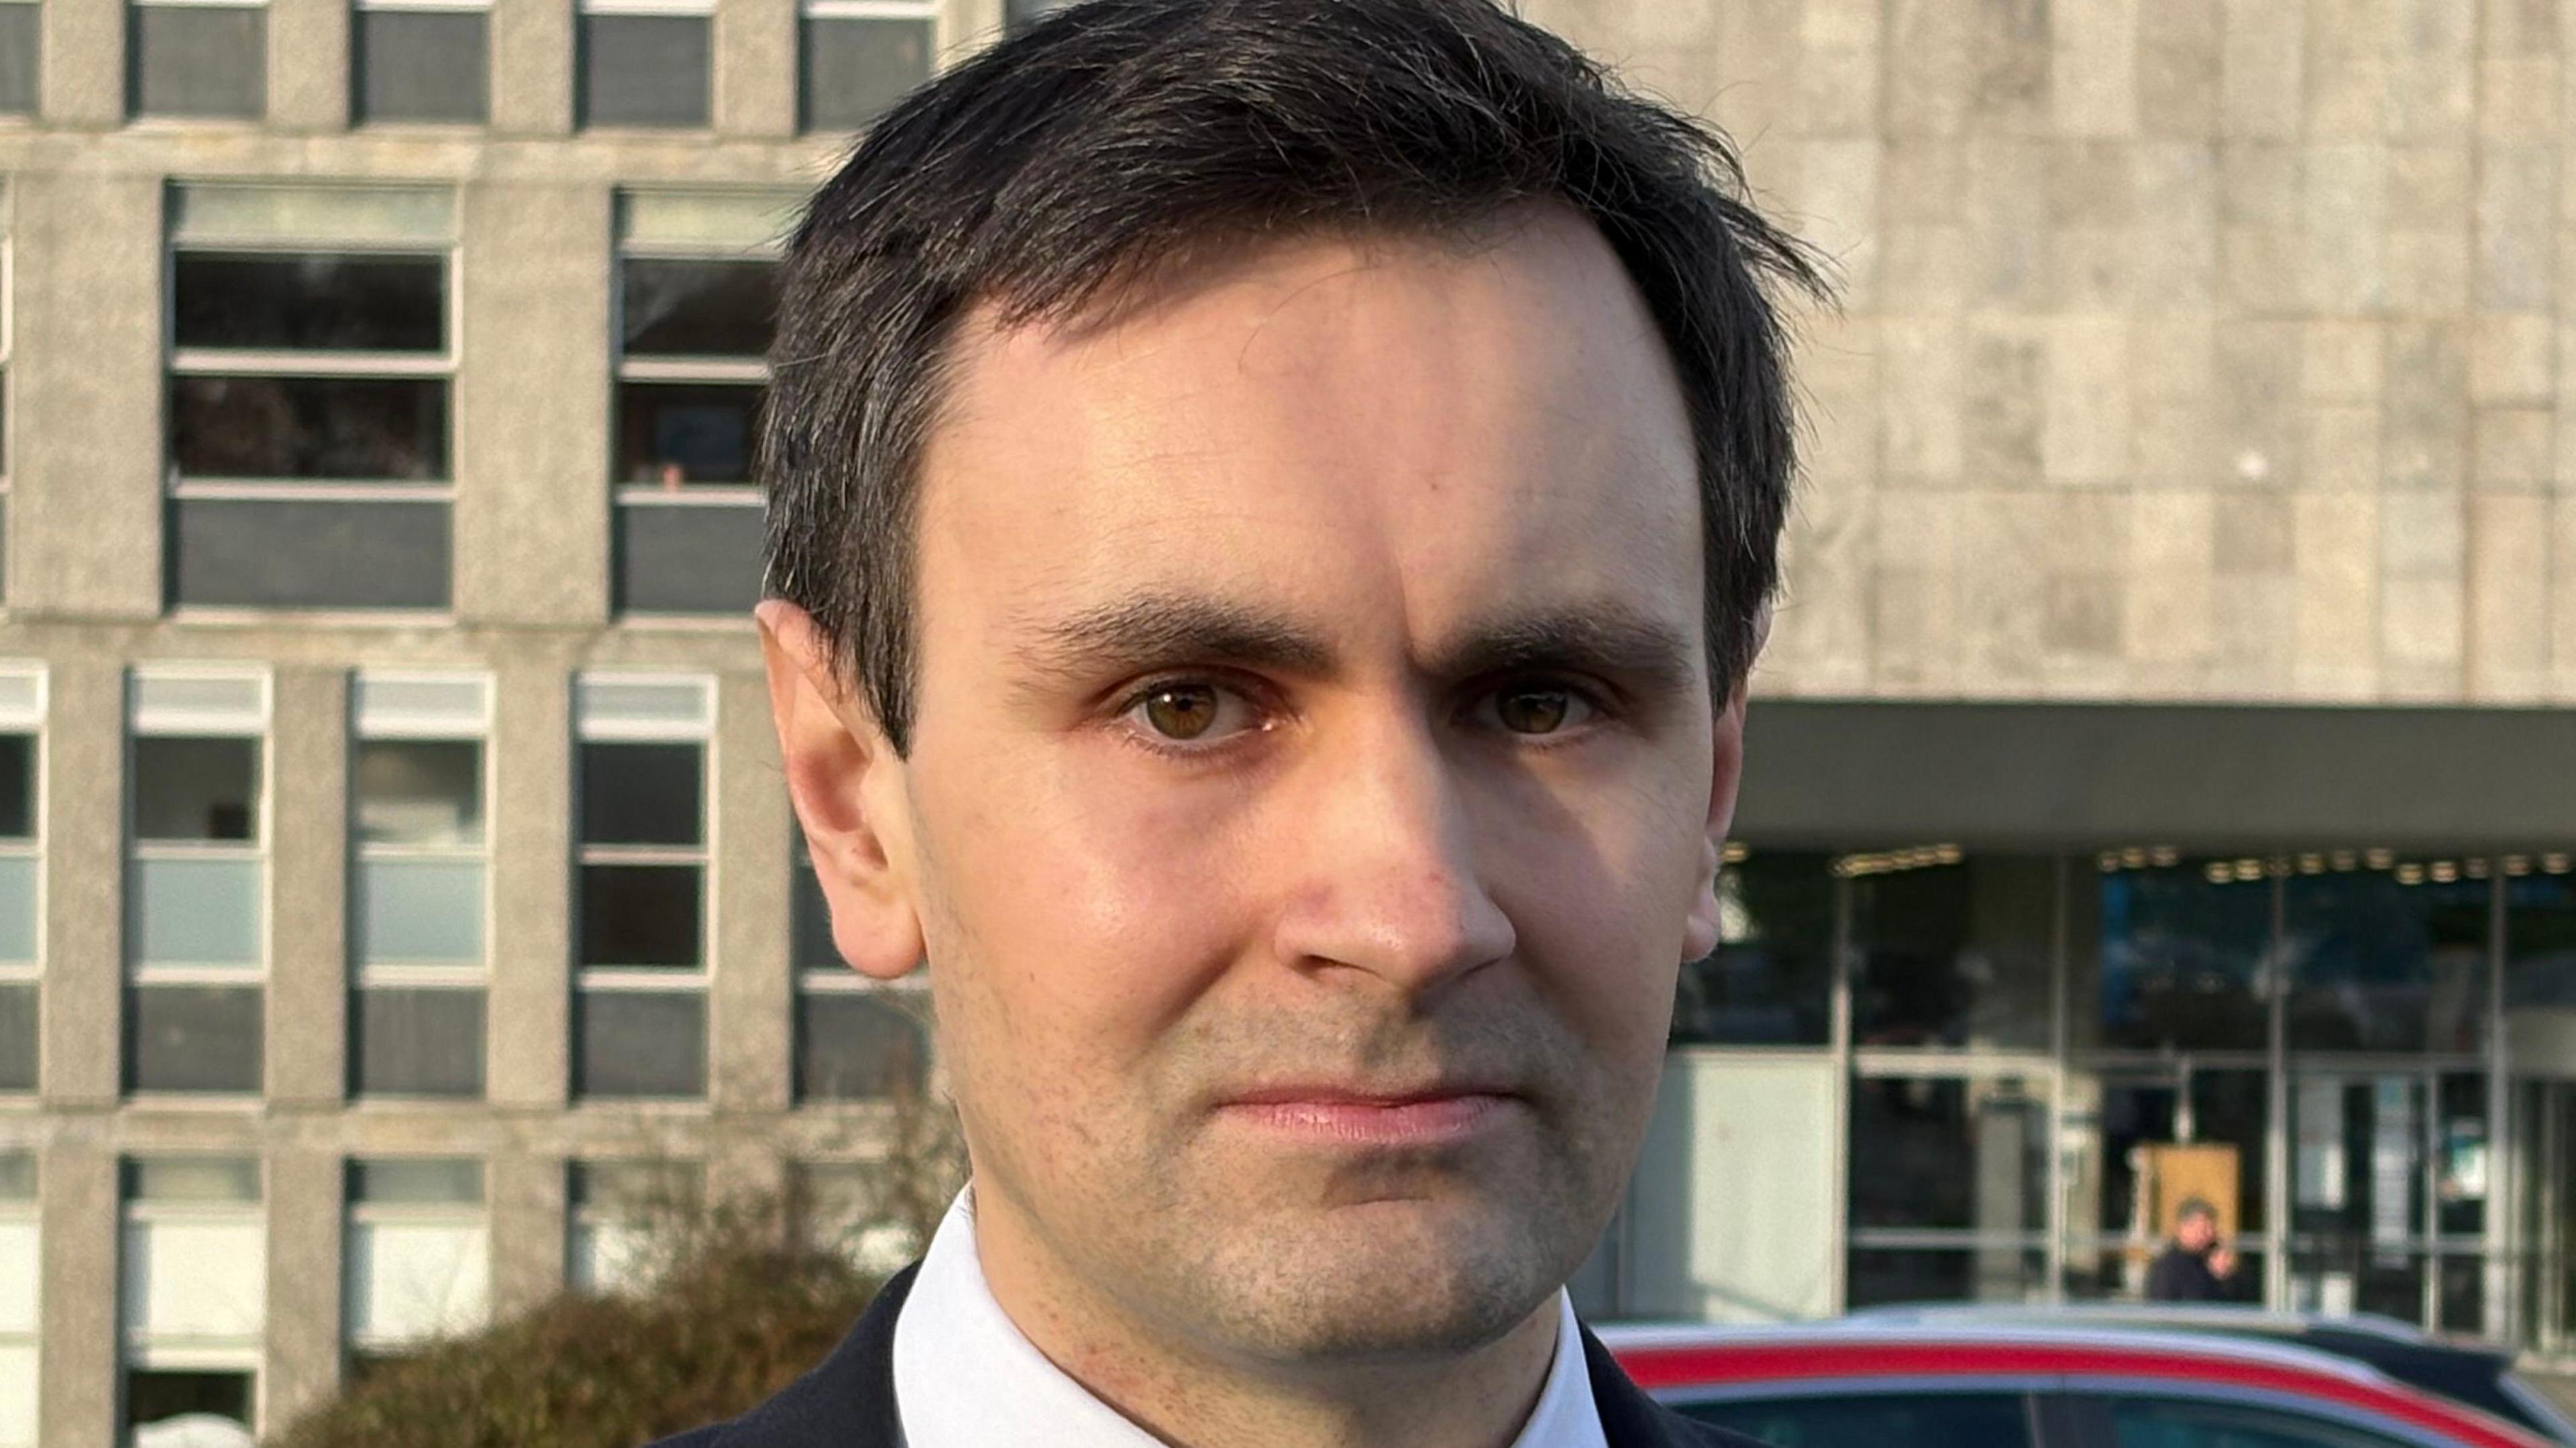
2194, 1207
1121, 136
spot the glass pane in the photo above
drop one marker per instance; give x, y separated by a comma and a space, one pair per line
414, 65
218, 214
2357, 1173
196, 789
17, 786
197, 60
2169, 956
2133, 1153
419, 912
193, 1180
642, 794
293, 553
854, 69
856, 1046
351, 429
689, 559
642, 915
2464, 1295
1955, 954
643, 70
811, 923
192, 1038
676, 433
1770, 980
416, 1182
420, 792
2463, 1157
2540, 943
417, 1042
1874, 1420
2170, 1423
196, 912
2386, 960
18, 53
629, 1043
17, 908
1881, 1276
17, 1176
698, 308
1948, 1153
312, 301
154, 1396
18, 1022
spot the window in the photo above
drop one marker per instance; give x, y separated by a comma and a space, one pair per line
21, 1269
420, 60
1950, 949
20, 28
645, 63
417, 891
2170, 953
312, 346
639, 1004
196, 881
419, 1253
622, 1215
197, 59
2386, 960
1019, 15
858, 57
857, 1039
7, 11
1949, 1189
845, 1208
1862, 1419
22, 712
194, 1295
1770, 980
2171, 1423
697, 288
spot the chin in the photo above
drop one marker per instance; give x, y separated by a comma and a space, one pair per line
1385, 1281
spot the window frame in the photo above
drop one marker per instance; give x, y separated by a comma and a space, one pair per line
713, 370
421, 7
135, 114
584, 10
393, 725
314, 364
27, 717
365, 1215
809, 11
137, 1348
257, 725
591, 726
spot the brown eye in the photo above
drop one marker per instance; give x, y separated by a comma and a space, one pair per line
1534, 711
1182, 711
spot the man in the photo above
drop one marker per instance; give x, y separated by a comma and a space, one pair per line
1273, 503
2191, 1267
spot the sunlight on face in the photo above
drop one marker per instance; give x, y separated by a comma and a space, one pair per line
1313, 779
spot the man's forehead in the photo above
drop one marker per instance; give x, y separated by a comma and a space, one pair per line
1476, 436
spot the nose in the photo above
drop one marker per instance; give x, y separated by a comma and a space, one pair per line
1388, 880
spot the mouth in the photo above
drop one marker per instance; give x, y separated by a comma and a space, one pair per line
1340, 1116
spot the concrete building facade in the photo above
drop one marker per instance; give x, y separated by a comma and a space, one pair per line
2160, 769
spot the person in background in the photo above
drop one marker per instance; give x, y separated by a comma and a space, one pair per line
2193, 1267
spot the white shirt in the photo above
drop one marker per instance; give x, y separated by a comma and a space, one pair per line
965, 1376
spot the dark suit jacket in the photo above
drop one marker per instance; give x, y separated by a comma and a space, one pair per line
848, 1402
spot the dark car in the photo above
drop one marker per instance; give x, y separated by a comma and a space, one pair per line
2465, 1370
1864, 1384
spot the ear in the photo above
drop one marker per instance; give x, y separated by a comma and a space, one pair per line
1726, 773
846, 783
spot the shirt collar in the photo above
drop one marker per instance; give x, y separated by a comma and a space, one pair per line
965, 1376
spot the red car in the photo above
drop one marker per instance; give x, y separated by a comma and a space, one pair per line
1861, 1385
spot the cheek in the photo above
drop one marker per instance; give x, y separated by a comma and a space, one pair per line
1084, 915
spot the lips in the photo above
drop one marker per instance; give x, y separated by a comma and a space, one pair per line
1339, 1115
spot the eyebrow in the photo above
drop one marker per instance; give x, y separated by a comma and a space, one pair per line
1160, 630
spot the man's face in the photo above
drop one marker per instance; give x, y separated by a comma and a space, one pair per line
2196, 1231
1314, 786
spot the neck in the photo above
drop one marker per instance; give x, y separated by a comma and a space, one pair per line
1189, 1392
